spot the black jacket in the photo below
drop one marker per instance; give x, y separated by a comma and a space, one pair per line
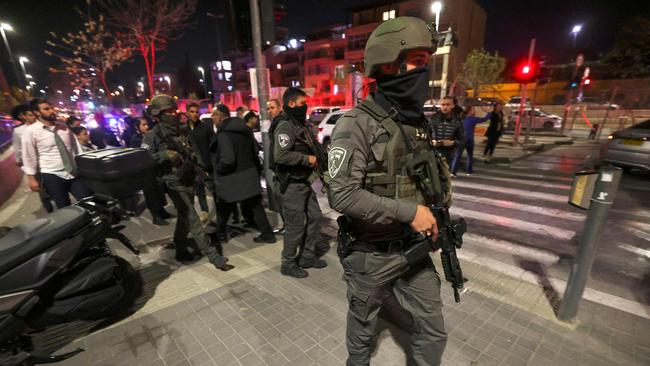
202, 135
102, 136
135, 140
235, 161
497, 125
442, 128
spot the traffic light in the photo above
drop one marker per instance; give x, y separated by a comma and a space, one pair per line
586, 81
526, 72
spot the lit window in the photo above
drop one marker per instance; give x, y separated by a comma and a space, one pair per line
229, 87
279, 66
391, 14
228, 76
218, 65
385, 16
336, 89
220, 76
227, 65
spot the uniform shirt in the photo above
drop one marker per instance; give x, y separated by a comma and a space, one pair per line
358, 146
290, 152
17, 135
39, 151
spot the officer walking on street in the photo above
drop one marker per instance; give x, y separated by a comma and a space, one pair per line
293, 163
170, 147
372, 184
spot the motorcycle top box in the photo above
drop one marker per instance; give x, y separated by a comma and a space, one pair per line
117, 172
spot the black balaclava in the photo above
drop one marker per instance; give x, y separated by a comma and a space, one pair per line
170, 121
406, 92
299, 113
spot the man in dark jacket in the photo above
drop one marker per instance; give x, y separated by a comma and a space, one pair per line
446, 129
202, 135
102, 136
237, 173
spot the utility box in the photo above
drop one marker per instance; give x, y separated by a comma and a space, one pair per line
582, 188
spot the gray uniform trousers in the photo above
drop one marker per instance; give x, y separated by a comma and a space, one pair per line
189, 222
370, 277
302, 222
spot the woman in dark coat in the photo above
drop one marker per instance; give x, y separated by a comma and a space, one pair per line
494, 131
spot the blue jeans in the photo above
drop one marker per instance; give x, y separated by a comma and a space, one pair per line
469, 146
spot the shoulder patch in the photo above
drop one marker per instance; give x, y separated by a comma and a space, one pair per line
283, 140
335, 158
145, 146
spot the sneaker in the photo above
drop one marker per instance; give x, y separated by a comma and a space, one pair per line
293, 271
157, 220
313, 263
453, 175
469, 174
265, 238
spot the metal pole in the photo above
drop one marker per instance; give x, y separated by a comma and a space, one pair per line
522, 105
11, 56
601, 201
567, 108
602, 124
262, 97
433, 77
532, 115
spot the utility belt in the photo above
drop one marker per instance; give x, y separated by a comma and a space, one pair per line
284, 179
391, 246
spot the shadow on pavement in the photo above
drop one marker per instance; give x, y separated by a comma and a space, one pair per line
552, 295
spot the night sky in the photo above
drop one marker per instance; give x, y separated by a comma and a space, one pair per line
510, 26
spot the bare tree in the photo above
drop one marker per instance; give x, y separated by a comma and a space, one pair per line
150, 24
88, 54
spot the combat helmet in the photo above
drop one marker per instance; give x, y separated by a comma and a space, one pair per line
159, 103
394, 36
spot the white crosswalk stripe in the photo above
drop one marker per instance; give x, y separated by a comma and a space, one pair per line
519, 207
511, 191
539, 184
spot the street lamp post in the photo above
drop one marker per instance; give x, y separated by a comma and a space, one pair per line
575, 30
436, 8
22, 60
7, 27
205, 84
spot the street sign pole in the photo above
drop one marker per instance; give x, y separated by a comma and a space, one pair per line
601, 201
602, 124
262, 97
532, 114
522, 103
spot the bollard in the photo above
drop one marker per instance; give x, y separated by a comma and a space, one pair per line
601, 201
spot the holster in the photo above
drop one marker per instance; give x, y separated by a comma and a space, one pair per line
420, 250
186, 174
344, 237
283, 181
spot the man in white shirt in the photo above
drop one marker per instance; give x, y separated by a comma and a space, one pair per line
49, 148
23, 113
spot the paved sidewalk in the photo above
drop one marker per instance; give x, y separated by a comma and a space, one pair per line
253, 315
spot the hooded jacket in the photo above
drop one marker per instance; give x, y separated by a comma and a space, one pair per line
234, 156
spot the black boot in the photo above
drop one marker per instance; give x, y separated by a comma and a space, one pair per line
157, 220
164, 214
265, 238
293, 270
312, 263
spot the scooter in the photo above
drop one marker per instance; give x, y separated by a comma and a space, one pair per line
59, 269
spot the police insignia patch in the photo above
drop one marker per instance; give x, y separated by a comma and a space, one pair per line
283, 140
335, 158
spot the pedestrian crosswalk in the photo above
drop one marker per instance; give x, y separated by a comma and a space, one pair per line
516, 215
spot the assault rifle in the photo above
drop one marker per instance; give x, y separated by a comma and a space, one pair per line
321, 155
426, 169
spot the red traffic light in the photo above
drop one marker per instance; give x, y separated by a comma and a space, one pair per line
587, 81
525, 70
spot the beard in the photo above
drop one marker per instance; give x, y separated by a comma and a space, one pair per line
50, 118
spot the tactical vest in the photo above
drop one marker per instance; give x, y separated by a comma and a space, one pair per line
300, 145
391, 177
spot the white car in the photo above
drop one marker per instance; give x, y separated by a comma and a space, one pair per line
542, 120
327, 126
318, 114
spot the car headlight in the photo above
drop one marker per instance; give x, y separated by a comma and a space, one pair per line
610, 137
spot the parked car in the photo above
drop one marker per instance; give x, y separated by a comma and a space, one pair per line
629, 148
479, 102
541, 120
515, 101
327, 126
317, 114
595, 103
